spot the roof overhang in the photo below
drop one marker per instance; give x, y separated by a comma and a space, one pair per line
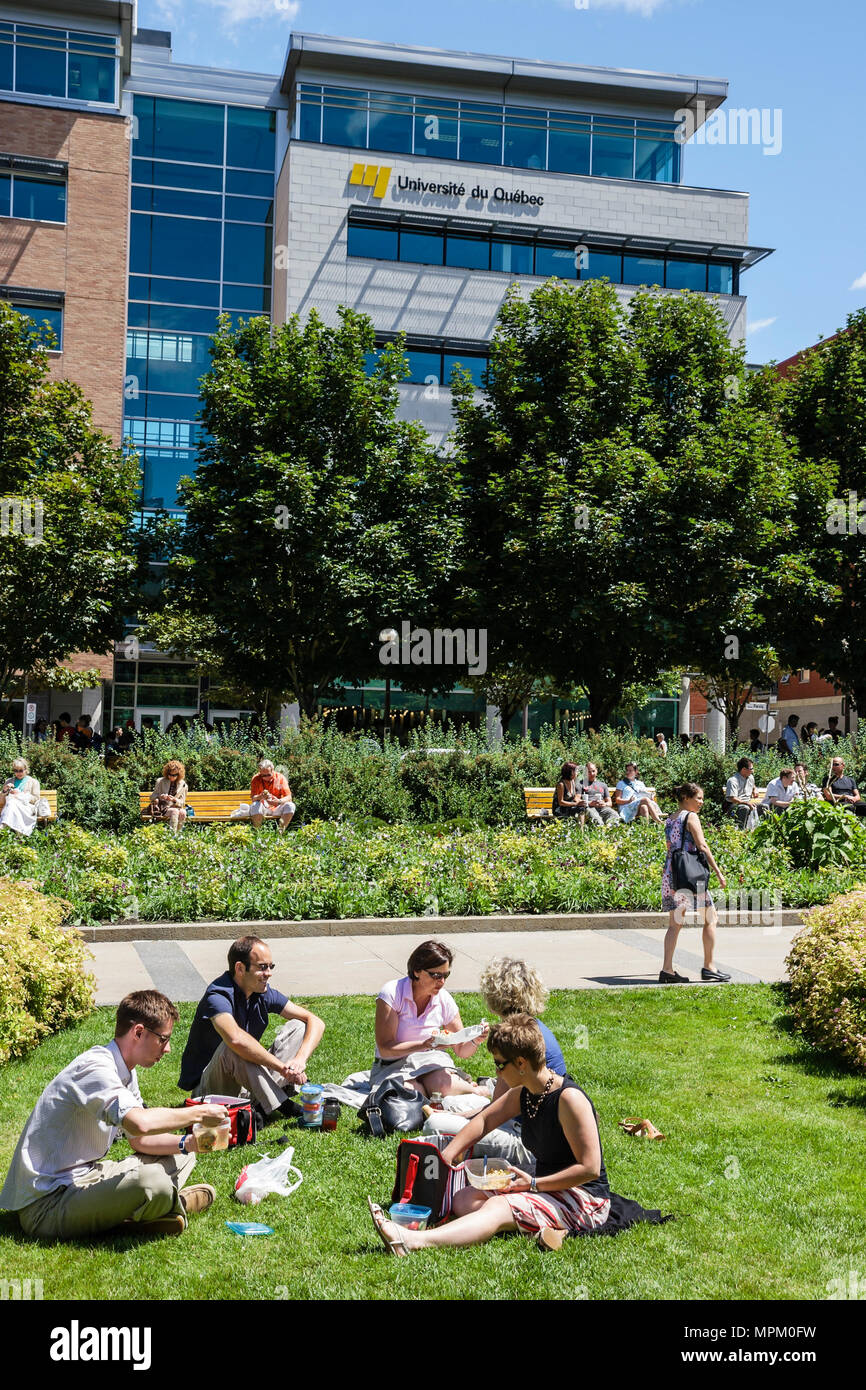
511, 77
744, 256
119, 12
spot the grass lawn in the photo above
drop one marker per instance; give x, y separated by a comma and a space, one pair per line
762, 1166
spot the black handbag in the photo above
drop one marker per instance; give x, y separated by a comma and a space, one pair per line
393, 1106
689, 868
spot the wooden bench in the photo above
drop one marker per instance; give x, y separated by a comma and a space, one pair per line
208, 806
538, 802
51, 798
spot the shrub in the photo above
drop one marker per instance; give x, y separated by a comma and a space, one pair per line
43, 986
827, 968
814, 834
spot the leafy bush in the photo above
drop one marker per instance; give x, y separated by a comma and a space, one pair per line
814, 834
827, 968
43, 986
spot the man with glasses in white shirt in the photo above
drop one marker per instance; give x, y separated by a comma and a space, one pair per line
60, 1182
223, 1052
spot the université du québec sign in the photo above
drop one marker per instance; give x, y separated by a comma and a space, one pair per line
378, 176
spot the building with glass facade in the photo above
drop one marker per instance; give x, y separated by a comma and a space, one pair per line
140, 198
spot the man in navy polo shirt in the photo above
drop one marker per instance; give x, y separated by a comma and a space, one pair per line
223, 1053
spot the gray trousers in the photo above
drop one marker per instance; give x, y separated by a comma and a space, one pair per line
504, 1142
227, 1074
141, 1188
602, 815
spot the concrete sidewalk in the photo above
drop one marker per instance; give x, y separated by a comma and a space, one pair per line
589, 959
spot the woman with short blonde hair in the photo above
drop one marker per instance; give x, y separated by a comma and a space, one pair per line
511, 986
168, 798
19, 798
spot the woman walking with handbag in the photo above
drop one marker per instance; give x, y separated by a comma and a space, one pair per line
685, 881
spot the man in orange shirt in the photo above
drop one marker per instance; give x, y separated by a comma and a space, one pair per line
271, 796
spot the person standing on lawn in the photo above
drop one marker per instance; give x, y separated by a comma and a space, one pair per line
683, 828
223, 1053
60, 1182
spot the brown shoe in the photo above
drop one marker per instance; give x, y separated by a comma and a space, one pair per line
163, 1226
197, 1198
550, 1238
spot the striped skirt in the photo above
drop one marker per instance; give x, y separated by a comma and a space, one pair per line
569, 1210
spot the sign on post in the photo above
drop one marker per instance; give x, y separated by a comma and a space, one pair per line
30, 713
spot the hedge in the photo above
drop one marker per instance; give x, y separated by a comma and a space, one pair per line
827, 968
43, 984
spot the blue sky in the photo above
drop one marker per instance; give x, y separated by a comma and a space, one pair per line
800, 57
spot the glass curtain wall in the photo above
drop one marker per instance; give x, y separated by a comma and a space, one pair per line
514, 137
201, 244
40, 60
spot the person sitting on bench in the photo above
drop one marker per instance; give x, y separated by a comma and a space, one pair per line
271, 796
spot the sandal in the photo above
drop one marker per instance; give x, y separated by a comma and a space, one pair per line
641, 1129
550, 1238
393, 1247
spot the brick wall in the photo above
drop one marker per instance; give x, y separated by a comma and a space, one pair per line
87, 258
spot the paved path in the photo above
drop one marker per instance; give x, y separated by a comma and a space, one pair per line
609, 958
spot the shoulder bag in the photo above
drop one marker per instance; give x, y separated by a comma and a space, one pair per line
689, 867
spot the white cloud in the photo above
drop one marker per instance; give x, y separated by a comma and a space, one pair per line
232, 13
761, 323
645, 7
860, 282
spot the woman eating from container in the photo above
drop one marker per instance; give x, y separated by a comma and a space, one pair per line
569, 1194
410, 1013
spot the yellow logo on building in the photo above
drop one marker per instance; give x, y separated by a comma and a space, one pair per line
373, 176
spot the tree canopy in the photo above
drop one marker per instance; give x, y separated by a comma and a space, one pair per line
67, 496
632, 502
318, 519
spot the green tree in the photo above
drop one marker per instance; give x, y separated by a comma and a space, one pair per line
67, 495
824, 406
315, 519
630, 496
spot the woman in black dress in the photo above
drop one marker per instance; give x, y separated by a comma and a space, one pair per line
567, 800
569, 1194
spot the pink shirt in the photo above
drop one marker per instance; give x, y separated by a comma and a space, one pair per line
411, 1027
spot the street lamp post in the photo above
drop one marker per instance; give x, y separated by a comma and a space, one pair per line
388, 634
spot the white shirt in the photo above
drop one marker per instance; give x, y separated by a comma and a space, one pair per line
785, 795
740, 786
75, 1121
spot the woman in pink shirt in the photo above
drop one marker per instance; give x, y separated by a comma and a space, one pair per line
410, 1012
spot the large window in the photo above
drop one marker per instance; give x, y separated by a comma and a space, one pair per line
516, 137
38, 60
43, 316
519, 256
34, 199
201, 243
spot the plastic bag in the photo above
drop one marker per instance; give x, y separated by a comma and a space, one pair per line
258, 1180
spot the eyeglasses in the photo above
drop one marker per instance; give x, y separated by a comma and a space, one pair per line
438, 974
500, 1066
165, 1038
261, 966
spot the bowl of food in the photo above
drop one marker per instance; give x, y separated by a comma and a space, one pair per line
494, 1176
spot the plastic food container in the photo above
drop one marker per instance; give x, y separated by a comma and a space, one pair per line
313, 1104
210, 1137
497, 1179
408, 1215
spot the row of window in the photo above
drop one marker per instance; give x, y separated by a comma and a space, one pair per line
201, 132
37, 200
429, 367
36, 60
516, 256
489, 133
